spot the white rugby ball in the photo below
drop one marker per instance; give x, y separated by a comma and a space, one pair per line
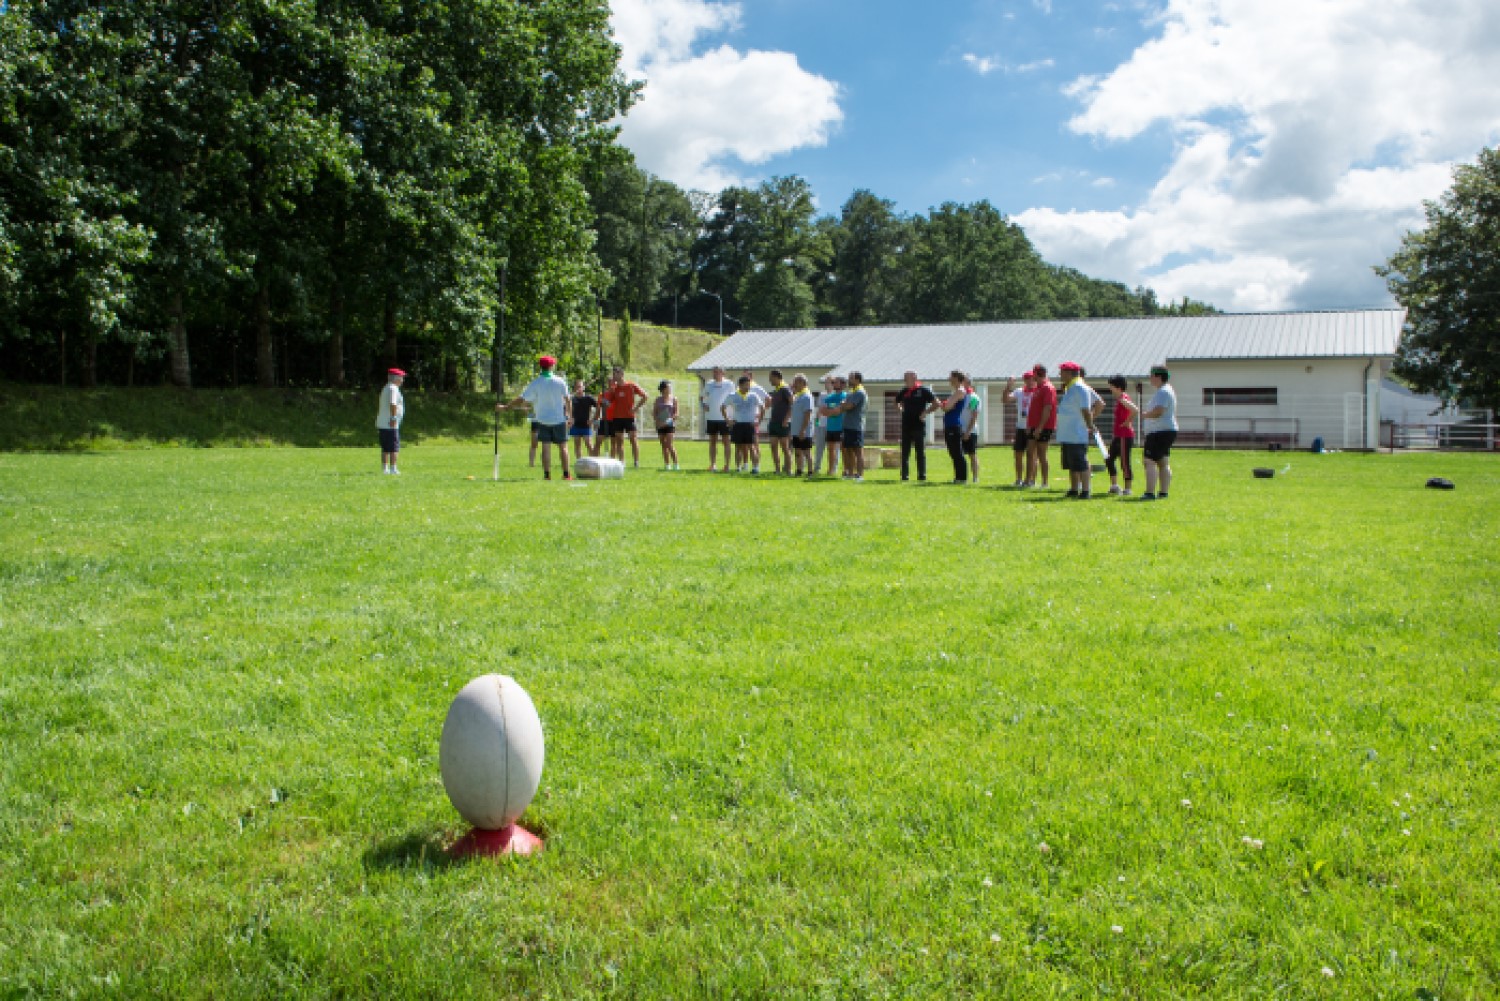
491, 751
601, 468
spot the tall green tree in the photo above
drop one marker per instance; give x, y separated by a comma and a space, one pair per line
869, 241
785, 249
968, 263
1447, 275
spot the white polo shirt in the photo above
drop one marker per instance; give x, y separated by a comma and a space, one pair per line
390, 396
548, 395
715, 393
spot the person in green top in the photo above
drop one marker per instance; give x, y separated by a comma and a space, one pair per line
973, 418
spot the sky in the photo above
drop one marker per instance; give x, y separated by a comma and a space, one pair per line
1254, 154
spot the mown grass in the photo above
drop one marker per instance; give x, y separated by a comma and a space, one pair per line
804, 739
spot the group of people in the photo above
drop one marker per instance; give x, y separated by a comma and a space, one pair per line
801, 426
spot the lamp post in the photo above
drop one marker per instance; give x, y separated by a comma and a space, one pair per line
734, 319
721, 308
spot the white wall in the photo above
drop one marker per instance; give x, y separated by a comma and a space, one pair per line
1312, 391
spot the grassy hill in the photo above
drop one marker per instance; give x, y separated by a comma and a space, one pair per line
48, 418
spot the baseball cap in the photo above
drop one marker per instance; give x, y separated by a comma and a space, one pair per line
546, 361
395, 371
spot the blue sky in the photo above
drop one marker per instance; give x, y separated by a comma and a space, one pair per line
1257, 154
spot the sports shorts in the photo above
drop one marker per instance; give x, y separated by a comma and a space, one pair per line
551, 434
580, 432
802, 444
665, 430
1075, 458
621, 425
718, 427
1159, 445
853, 438
390, 439
1019, 445
971, 442
742, 433
833, 437
1041, 435
779, 429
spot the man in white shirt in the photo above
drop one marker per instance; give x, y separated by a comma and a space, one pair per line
716, 393
1075, 429
743, 411
1021, 397
552, 409
388, 421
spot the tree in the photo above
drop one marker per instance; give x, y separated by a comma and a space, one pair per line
868, 242
1447, 275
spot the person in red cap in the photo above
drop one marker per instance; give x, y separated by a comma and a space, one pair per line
388, 421
551, 407
1041, 422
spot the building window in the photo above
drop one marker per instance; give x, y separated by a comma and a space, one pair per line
1265, 397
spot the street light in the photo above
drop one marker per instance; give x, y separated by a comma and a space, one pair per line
735, 319
721, 308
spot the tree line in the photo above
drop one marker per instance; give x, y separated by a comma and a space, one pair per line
303, 193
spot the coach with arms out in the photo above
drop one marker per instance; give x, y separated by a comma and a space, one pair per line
551, 409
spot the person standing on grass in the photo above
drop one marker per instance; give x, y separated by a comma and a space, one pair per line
1075, 429
388, 421
833, 423
743, 411
820, 430
1160, 425
780, 424
1041, 423
551, 410
915, 401
716, 392
973, 416
1022, 399
1123, 438
664, 413
856, 402
581, 410
625, 400
953, 425
765, 403
802, 424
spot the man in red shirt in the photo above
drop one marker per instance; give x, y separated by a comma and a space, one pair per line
1041, 422
622, 401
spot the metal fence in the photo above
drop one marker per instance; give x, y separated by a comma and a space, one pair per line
1471, 431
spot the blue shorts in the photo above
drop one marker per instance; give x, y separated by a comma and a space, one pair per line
390, 439
582, 432
853, 438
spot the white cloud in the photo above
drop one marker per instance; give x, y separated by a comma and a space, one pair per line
985, 65
704, 115
1307, 135
1103, 182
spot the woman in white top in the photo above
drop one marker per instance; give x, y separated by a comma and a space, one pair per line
1160, 425
664, 412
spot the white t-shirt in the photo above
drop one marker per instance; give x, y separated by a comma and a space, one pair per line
974, 408
390, 396
1022, 399
547, 394
1166, 398
715, 392
802, 408
1071, 428
745, 408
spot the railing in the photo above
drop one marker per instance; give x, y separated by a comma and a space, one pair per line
1238, 432
1466, 435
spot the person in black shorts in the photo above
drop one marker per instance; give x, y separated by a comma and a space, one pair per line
583, 415
780, 430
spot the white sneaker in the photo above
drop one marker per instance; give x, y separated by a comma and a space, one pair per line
1124, 493
755, 471
1114, 489
395, 471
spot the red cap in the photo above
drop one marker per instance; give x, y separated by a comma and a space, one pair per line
1070, 366
395, 371
546, 361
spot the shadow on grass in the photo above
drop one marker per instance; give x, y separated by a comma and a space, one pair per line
419, 851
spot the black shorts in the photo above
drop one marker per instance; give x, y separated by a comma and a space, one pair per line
1039, 435
621, 425
802, 444
390, 439
551, 434
779, 429
665, 430
833, 437
1019, 444
718, 427
1159, 445
1075, 458
742, 433
971, 442
852, 438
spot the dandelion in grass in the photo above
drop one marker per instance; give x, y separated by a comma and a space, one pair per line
994, 936
1328, 972
1117, 929
987, 882
1187, 804
1044, 848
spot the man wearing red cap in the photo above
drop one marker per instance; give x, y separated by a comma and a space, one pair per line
1075, 428
388, 421
551, 408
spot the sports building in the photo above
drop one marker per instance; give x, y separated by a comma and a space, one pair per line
1243, 380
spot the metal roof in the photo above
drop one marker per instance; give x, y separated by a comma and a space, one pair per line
1127, 346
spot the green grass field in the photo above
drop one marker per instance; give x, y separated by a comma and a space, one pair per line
820, 740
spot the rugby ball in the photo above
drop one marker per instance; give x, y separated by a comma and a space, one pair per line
591, 468
491, 752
